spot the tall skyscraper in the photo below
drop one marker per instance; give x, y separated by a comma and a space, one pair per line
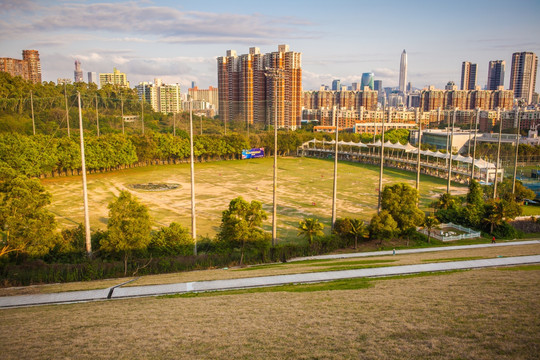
29, 68
403, 72
246, 94
377, 85
523, 75
495, 74
367, 80
468, 76
336, 85
78, 74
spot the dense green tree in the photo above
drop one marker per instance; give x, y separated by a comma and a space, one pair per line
27, 225
172, 240
382, 226
475, 196
400, 200
342, 228
128, 227
241, 224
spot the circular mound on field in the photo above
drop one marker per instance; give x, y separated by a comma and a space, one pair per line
154, 187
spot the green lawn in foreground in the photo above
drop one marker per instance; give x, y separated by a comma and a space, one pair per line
304, 190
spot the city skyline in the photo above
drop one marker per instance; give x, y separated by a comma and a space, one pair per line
181, 42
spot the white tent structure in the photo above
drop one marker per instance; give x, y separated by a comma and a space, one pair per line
487, 169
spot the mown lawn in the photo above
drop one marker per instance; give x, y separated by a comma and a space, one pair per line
304, 190
477, 314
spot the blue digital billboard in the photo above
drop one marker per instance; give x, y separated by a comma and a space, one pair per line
253, 153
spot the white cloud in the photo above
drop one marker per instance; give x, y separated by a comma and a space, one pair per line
165, 23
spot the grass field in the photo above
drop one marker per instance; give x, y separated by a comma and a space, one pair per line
478, 314
304, 190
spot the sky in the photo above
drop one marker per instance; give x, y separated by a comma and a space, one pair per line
179, 41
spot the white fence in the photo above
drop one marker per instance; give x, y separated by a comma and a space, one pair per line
439, 233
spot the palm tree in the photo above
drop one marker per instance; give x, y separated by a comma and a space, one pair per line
358, 229
429, 223
310, 228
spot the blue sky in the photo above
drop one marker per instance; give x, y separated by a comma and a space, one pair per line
179, 41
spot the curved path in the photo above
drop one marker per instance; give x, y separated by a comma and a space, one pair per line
118, 292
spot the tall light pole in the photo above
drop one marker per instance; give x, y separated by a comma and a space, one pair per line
275, 74
379, 206
474, 147
122, 109
447, 133
193, 222
334, 194
449, 152
67, 112
88, 240
498, 154
174, 124
97, 116
419, 148
32, 108
517, 151
142, 114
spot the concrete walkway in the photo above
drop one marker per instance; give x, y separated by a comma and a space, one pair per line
412, 251
153, 290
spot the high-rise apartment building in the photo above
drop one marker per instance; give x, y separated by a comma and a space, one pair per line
164, 98
495, 74
523, 75
367, 80
210, 96
403, 72
78, 74
247, 94
34, 65
432, 99
29, 68
468, 76
92, 77
114, 78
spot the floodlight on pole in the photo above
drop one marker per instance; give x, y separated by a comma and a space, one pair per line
88, 241
334, 193
32, 108
498, 154
97, 116
193, 220
275, 74
474, 146
67, 112
419, 121
517, 150
449, 152
379, 206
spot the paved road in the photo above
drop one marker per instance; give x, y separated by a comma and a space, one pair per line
119, 292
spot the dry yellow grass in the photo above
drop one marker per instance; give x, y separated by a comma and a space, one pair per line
479, 314
281, 269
